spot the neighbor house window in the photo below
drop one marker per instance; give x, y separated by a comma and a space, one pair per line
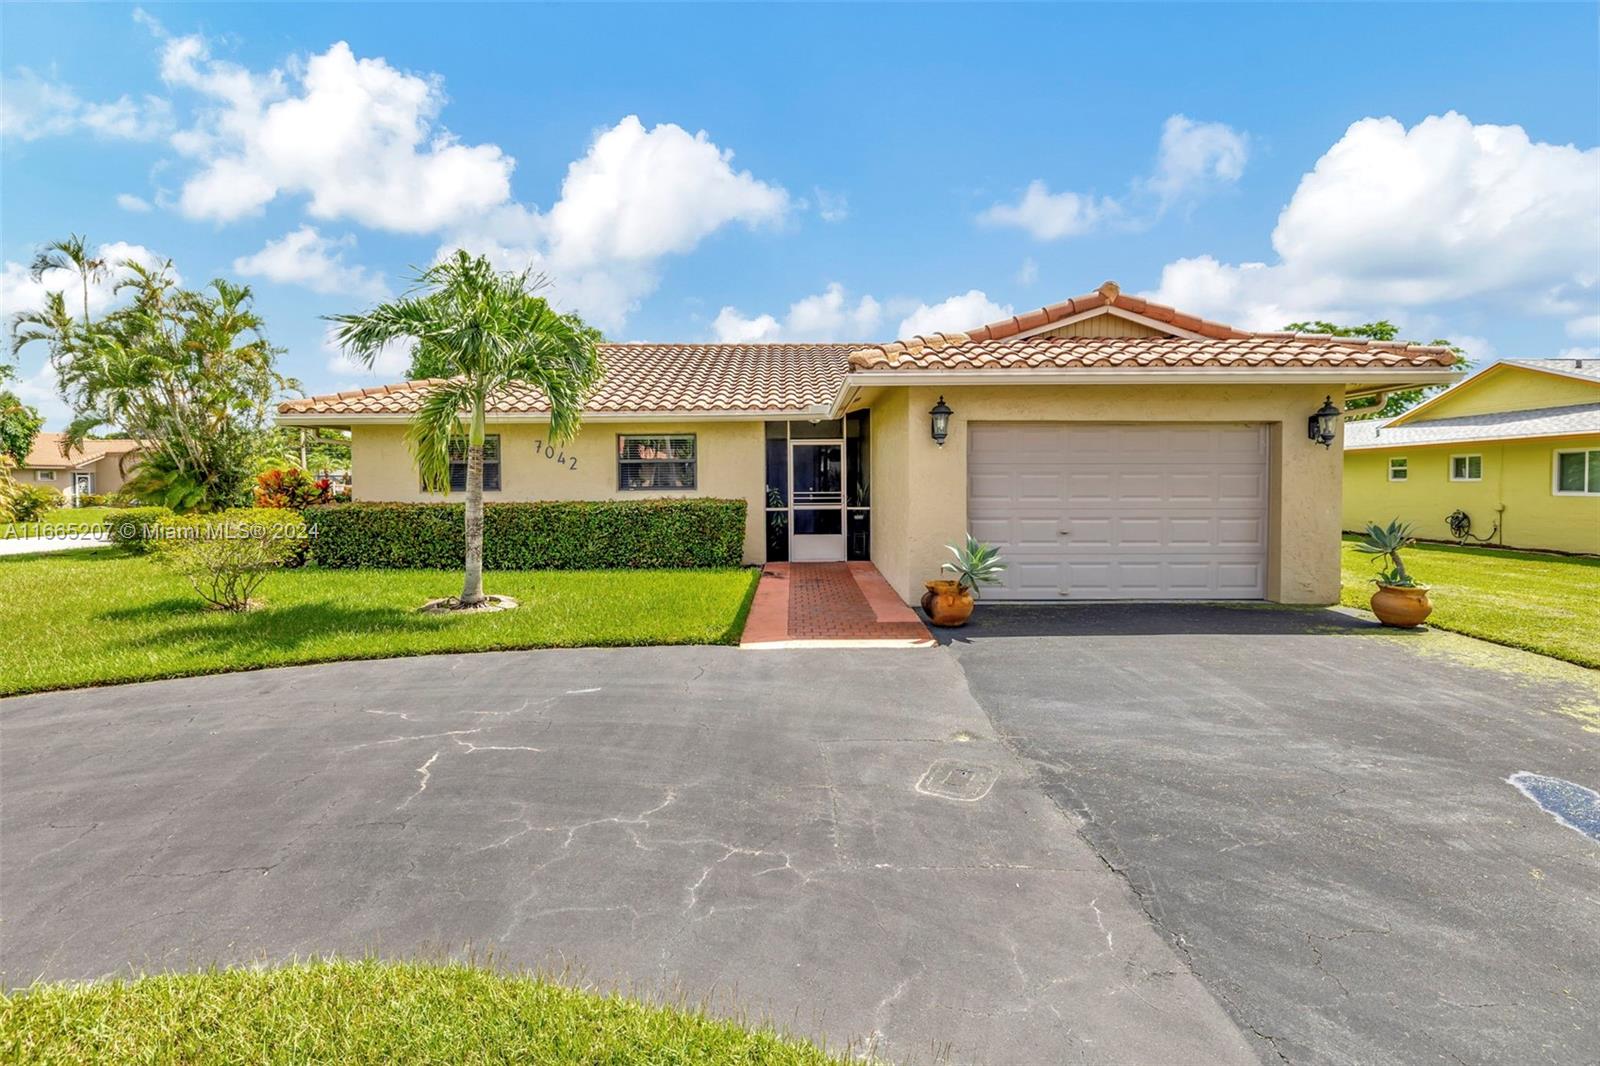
491, 464
1397, 469
1466, 468
656, 463
45, 475
1578, 473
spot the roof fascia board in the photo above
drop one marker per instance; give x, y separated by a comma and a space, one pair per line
308, 418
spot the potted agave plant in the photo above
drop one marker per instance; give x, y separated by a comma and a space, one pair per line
948, 601
1399, 601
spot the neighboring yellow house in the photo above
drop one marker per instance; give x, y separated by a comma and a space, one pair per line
1111, 447
1517, 445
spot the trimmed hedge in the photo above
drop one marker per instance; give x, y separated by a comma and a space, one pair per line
132, 528
660, 534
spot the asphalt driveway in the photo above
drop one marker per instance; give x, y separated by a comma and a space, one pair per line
1073, 834
834, 839
1317, 814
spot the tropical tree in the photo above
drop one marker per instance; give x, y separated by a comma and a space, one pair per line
1381, 330
189, 373
70, 254
487, 330
19, 423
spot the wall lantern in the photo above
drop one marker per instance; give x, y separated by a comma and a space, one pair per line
1320, 426
941, 421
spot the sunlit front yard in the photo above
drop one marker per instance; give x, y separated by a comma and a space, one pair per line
96, 616
1549, 604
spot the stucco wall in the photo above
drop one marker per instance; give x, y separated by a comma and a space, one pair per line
1517, 475
730, 455
1303, 562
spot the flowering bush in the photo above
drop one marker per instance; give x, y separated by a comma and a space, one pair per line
292, 488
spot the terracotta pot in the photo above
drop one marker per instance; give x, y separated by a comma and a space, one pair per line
1403, 608
946, 603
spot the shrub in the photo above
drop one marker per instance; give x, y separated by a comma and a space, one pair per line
553, 535
92, 499
227, 556
134, 528
28, 503
292, 488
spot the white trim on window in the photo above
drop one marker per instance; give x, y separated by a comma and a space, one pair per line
1397, 465
44, 475
1466, 473
1590, 472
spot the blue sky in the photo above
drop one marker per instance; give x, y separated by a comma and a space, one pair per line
826, 172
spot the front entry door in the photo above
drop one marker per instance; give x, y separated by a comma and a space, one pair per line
817, 524
82, 485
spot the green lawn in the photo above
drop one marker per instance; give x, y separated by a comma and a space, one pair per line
95, 615
56, 520
370, 1012
1544, 603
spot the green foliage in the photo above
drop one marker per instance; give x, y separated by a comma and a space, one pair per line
226, 556
317, 449
428, 362
92, 499
483, 330
1385, 542
292, 488
19, 423
144, 624
1381, 330
28, 503
188, 372
556, 535
976, 564
134, 528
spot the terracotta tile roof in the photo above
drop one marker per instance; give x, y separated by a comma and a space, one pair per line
996, 346
1085, 353
46, 451
653, 378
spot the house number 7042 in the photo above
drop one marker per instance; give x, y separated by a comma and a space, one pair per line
549, 451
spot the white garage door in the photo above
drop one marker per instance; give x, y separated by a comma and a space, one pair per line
1089, 511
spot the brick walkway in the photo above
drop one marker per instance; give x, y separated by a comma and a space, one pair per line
830, 605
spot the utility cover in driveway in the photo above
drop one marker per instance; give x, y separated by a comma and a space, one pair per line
949, 779
1108, 511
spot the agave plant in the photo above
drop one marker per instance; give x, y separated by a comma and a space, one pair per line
976, 564
1385, 543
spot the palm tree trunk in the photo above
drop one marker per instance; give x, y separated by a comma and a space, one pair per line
472, 587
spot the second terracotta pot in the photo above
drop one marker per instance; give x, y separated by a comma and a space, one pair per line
946, 603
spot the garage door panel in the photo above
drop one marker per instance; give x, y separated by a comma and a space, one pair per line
1152, 511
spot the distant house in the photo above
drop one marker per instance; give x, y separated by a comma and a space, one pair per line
1517, 445
98, 467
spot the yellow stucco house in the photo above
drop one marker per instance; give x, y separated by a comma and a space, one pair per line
1516, 448
1113, 448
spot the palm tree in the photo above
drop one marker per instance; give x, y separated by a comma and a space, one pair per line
489, 330
72, 254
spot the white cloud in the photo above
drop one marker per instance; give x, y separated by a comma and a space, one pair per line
391, 364
1192, 158
636, 197
1580, 353
1584, 327
828, 316
38, 390
1391, 218
1048, 216
1480, 351
357, 137
1028, 272
967, 311
1194, 155
33, 107
305, 257
831, 206
129, 202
